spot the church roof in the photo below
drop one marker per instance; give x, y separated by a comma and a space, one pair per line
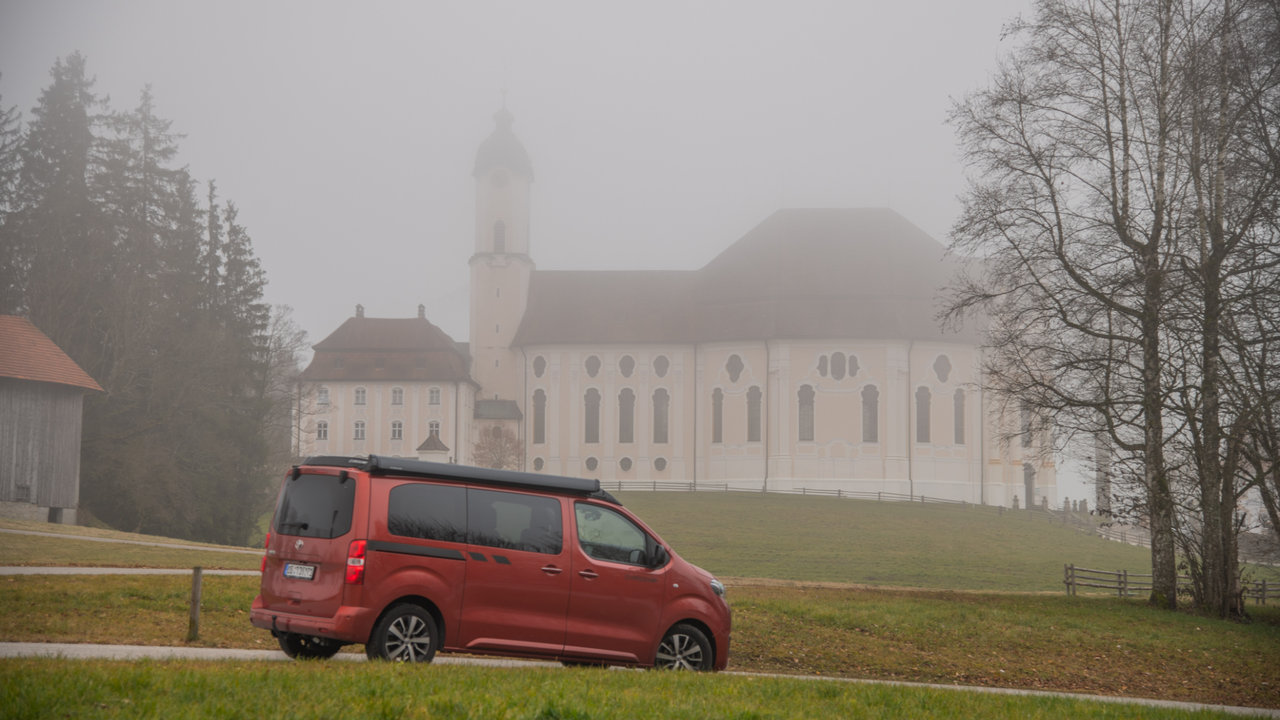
801, 274
498, 410
503, 148
28, 354
404, 349
433, 444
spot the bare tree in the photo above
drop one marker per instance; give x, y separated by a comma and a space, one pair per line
498, 448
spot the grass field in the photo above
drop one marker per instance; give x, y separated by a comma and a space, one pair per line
1048, 642
43, 689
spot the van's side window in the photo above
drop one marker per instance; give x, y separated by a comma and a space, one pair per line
607, 535
514, 521
428, 512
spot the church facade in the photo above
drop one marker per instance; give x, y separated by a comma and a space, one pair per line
804, 355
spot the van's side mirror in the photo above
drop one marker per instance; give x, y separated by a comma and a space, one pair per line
659, 557
636, 557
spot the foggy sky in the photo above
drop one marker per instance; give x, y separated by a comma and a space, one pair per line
659, 132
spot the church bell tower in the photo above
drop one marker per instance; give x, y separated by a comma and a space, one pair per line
500, 265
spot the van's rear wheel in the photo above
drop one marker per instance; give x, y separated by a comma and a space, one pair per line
407, 633
306, 647
684, 647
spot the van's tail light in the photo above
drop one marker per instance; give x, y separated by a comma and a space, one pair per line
355, 563
265, 544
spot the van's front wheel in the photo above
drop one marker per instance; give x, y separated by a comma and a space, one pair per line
305, 647
684, 647
407, 633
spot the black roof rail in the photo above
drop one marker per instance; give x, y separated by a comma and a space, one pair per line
379, 465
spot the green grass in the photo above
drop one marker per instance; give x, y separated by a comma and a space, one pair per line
1046, 642
36, 551
44, 689
789, 537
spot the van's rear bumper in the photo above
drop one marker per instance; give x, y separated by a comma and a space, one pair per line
349, 624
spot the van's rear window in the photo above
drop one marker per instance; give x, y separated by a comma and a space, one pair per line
317, 506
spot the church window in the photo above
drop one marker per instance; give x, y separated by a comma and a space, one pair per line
593, 366
433, 396
397, 430
380, 363
734, 367
539, 416
499, 237
660, 464
806, 395
434, 428
537, 464
822, 366
627, 365
626, 416
625, 464
592, 464
397, 396
942, 366
853, 365
923, 403
959, 419
592, 424
837, 366
753, 414
660, 365
870, 414
322, 396
322, 430
360, 396
717, 415
539, 366
359, 433
661, 407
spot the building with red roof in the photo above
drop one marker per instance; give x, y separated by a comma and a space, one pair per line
41, 411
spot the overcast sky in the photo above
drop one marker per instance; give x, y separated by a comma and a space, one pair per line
659, 132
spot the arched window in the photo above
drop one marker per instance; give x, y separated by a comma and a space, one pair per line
397, 430
660, 464
837, 366
870, 414
359, 430
626, 416
718, 414
434, 428
959, 416
734, 368
539, 366
923, 403
433, 396
592, 464
499, 237
806, 413
360, 396
625, 464
753, 414
322, 430
853, 365
592, 424
660, 365
539, 416
322, 396
942, 366
537, 464
822, 366
593, 366
397, 396
627, 365
661, 406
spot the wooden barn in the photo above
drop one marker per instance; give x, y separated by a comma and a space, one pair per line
41, 410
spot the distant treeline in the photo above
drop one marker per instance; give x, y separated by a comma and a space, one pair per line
150, 283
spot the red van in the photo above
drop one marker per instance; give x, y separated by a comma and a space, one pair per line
409, 557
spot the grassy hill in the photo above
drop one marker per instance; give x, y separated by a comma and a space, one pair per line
790, 537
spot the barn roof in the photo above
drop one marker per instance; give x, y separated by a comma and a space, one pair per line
370, 349
28, 354
801, 274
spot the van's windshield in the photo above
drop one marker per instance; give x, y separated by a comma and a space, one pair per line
317, 506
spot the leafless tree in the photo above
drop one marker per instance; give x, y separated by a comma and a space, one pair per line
498, 447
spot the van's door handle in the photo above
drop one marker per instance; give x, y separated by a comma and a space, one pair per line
588, 574
552, 570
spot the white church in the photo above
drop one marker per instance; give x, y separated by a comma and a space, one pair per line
806, 354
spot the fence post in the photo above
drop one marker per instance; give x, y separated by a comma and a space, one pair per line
838, 493
193, 626
1264, 592
1124, 583
877, 494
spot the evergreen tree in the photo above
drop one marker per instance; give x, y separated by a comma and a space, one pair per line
10, 143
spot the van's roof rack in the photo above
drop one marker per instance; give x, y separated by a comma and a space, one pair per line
379, 465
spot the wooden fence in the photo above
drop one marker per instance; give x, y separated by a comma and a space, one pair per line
1127, 584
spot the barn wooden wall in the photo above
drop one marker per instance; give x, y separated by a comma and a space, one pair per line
40, 442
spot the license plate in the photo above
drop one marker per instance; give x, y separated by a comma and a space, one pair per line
299, 572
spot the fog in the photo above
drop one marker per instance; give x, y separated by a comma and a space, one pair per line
659, 133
